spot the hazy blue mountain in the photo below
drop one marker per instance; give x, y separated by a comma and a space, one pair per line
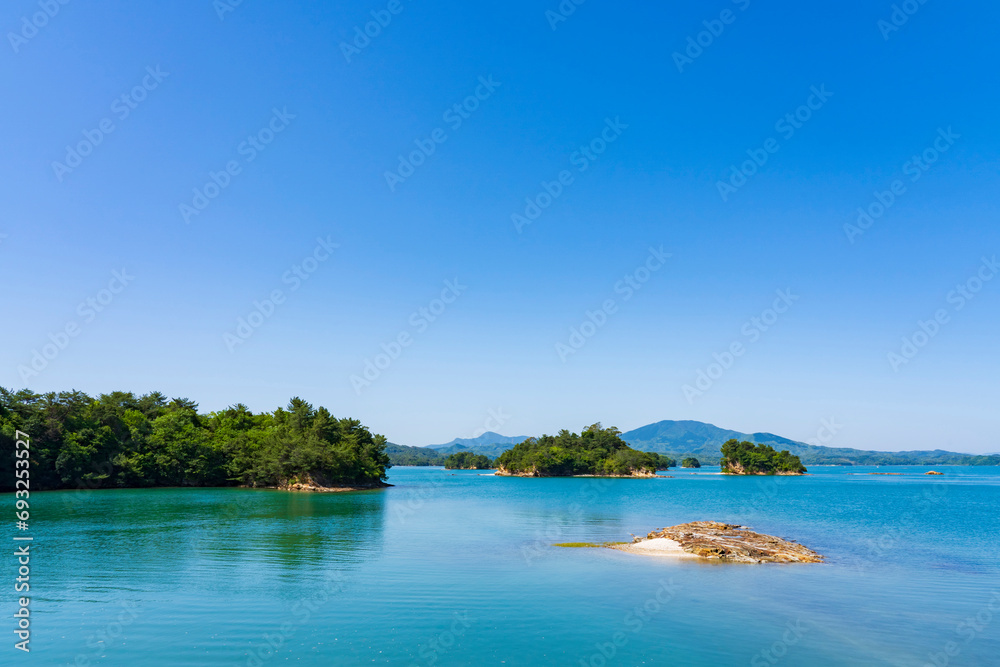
491, 451
701, 440
486, 439
680, 439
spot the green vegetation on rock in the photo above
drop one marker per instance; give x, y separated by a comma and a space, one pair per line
666, 462
746, 458
596, 451
468, 461
123, 440
690, 462
401, 455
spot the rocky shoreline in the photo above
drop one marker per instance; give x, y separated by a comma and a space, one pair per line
330, 489
720, 541
502, 472
738, 469
318, 484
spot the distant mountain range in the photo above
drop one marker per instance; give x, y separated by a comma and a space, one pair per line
680, 439
489, 443
701, 440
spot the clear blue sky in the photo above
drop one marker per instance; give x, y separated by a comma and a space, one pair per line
521, 288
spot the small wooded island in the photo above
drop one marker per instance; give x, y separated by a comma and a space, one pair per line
467, 461
746, 458
120, 440
596, 451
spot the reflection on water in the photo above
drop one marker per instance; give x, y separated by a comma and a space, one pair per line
459, 568
225, 536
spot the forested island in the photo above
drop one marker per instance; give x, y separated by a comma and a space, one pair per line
690, 462
468, 461
402, 455
120, 440
596, 451
665, 462
747, 458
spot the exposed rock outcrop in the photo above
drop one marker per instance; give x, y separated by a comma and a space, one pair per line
319, 484
736, 468
534, 472
732, 543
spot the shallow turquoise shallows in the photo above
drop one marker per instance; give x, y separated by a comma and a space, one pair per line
456, 568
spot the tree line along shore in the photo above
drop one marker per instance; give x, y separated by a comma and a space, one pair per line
121, 440
599, 451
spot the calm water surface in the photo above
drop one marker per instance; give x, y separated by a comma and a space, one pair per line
458, 568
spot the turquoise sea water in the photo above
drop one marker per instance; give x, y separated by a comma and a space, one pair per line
457, 568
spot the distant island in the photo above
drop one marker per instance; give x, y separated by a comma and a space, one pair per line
468, 461
596, 451
665, 462
693, 439
402, 455
120, 440
690, 462
746, 458
681, 439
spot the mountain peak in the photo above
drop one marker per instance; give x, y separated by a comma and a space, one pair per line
487, 438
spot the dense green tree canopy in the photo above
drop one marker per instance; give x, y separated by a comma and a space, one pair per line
747, 458
401, 455
665, 462
468, 461
690, 462
596, 451
121, 440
